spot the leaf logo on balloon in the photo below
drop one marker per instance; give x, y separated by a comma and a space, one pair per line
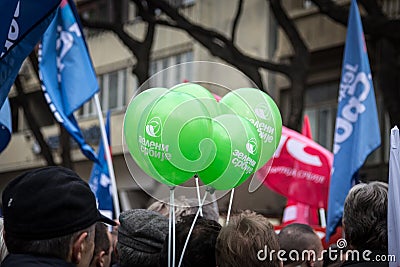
261, 111
251, 146
153, 127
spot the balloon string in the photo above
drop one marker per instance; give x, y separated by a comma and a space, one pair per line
214, 202
170, 229
173, 225
230, 206
196, 177
191, 230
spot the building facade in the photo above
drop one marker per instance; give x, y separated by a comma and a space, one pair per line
257, 35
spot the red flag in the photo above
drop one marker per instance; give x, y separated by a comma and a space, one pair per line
300, 169
306, 128
296, 212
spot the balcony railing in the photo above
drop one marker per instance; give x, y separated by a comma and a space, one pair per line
391, 8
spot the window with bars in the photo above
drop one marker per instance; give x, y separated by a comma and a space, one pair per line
321, 106
112, 93
172, 70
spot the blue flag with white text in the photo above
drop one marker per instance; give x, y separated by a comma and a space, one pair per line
22, 23
357, 131
100, 181
5, 125
66, 71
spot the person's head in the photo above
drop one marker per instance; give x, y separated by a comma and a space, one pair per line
334, 256
302, 246
141, 235
102, 247
51, 212
365, 216
200, 250
247, 241
184, 207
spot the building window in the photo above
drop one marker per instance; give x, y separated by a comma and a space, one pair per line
169, 71
321, 107
112, 93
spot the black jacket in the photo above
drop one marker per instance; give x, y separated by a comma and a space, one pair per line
25, 260
361, 264
372, 255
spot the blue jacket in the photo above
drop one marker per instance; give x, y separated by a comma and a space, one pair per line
26, 260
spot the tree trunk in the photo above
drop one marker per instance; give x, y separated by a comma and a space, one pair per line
45, 150
296, 101
65, 145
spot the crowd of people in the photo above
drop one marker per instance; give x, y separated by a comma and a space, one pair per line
50, 219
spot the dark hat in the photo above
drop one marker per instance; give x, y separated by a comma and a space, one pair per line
142, 233
47, 203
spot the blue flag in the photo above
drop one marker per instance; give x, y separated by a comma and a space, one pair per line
5, 125
100, 181
357, 131
66, 71
22, 23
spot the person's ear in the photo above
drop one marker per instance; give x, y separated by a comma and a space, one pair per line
77, 248
100, 261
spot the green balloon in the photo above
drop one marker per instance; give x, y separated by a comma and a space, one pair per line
261, 110
140, 107
193, 89
177, 132
201, 94
238, 151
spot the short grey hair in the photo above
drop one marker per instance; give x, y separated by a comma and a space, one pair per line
365, 216
184, 207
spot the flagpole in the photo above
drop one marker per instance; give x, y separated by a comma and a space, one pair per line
108, 156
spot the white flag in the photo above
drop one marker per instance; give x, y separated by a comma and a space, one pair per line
394, 198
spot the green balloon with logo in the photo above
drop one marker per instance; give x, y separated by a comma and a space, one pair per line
177, 132
261, 110
238, 152
134, 129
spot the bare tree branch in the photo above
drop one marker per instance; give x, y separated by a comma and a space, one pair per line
218, 44
300, 64
141, 69
380, 26
236, 20
140, 49
372, 7
118, 29
301, 54
336, 12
